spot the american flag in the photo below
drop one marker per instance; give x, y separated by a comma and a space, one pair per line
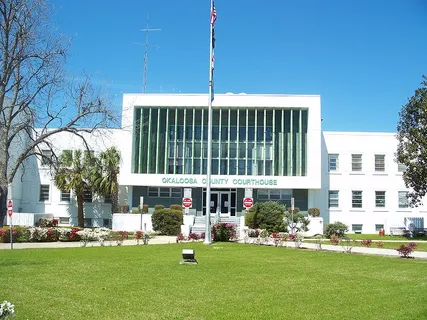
213, 14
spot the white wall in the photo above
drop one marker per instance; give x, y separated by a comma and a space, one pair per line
368, 180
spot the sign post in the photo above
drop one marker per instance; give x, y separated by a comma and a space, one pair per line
292, 213
10, 212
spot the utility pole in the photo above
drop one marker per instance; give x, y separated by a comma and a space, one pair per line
147, 30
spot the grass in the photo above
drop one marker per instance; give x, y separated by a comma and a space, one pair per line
231, 281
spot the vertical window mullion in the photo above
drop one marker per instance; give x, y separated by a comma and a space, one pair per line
229, 141
273, 168
192, 141
141, 136
247, 140
282, 146
157, 147
175, 146
149, 141
167, 143
265, 142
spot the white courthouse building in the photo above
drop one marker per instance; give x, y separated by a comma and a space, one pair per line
270, 147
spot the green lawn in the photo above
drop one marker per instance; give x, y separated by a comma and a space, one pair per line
232, 281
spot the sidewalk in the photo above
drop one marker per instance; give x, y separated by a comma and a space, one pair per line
172, 239
76, 244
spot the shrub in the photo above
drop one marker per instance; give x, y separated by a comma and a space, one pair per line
367, 243
337, 229
335, 240
5, 234
193, 236
145, 208
296, 222
314, 212
167, 221
266, 215
47, 223
175, 207
223, 232
405, 251
159, 207
380, 244
124, 208
296, 210
135, 210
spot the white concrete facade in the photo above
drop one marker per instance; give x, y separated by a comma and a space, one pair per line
379, 195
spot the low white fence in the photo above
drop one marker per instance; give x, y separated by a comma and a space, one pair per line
132, 222
27, 219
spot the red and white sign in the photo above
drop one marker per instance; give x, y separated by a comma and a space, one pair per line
9, 207
248, 202
187, 202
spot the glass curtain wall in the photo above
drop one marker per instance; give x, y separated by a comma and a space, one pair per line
245, 141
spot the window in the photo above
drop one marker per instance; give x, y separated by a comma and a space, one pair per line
333, 199
277, 194
107, 199
64, 220
164, 192
65, 195
356, 199
44, 192
107, 223
88, 222
379, 227
357, 228
380, 199
87, 195
333, 162
403, 199
401, 167
46, 157
379, 162
356, 162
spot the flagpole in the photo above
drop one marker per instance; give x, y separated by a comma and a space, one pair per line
208, 237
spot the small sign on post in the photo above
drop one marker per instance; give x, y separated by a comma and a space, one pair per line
292, 204
187, 202
248, 203
10, 212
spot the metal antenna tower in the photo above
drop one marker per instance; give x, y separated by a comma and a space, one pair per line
147, 30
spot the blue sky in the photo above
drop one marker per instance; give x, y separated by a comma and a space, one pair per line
364, 57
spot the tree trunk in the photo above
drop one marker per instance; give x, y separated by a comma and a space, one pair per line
80, 214
3, 203
114, 202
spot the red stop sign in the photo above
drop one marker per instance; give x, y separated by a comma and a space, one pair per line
248, 202
9, 207
187, 202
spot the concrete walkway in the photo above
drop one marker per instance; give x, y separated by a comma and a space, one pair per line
171, 239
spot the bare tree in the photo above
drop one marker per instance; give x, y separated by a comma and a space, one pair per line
37, 99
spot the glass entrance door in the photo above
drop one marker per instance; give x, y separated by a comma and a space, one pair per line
224, 204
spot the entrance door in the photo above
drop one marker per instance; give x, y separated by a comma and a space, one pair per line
224, 204
214, 202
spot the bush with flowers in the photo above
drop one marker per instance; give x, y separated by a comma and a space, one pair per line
16, 234
7, 310
223, 232
193, 236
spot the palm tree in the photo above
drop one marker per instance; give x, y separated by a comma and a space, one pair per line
74, 173
106, 179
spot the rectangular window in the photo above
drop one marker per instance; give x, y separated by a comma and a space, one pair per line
357, 228
46, 157
333, 162
87, 195
356, 162
403, 199
88, 222
401, 167
379, 227
64, 220
380, 199
107, 199
65, 195
274, 195
164, 192
379, 162
333, 199
44, 192
356, 199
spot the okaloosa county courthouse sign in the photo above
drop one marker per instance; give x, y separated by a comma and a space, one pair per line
216, 181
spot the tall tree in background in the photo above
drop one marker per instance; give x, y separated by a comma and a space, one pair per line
35, 92
74, 173
412, 147
106, 181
